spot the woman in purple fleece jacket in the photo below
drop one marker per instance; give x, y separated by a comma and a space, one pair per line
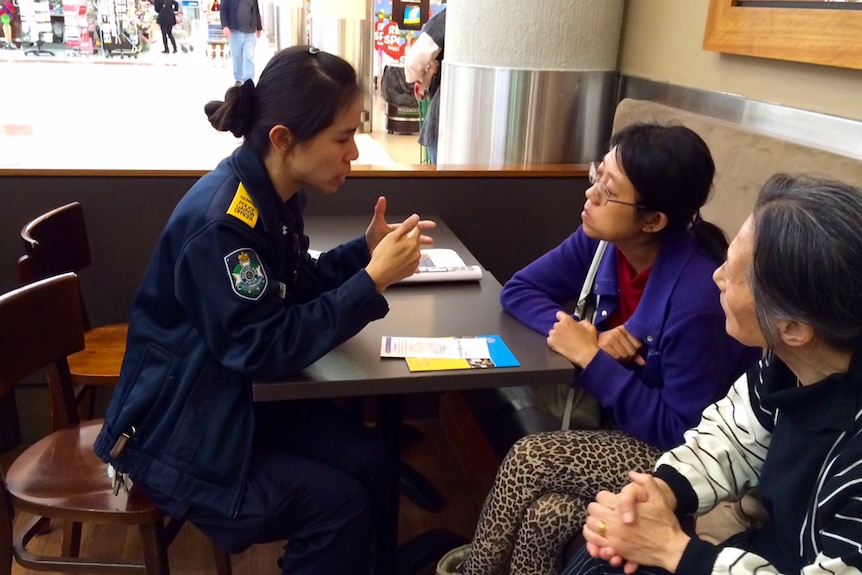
655, 356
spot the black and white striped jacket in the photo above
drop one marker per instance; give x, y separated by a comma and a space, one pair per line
803, 447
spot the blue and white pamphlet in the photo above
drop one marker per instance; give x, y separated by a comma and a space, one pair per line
444, 353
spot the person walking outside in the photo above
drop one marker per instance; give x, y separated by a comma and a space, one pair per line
167, 19
240, 20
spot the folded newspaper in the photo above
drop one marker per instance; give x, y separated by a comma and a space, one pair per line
436, 265
443, 265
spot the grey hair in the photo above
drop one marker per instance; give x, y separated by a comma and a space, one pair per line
807, 262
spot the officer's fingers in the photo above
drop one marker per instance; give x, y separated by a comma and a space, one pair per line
407, 226
424, 226
380, 208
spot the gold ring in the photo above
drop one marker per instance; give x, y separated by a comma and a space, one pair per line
602, 528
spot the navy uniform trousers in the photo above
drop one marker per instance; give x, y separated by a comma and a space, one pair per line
316, 478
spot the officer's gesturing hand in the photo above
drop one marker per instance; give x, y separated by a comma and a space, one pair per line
397, 255
378, 228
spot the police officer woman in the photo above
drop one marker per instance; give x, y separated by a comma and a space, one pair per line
231, 296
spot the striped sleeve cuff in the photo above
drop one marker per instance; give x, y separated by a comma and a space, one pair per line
698, 558
686, 499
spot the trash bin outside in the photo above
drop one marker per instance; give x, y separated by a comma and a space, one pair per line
402, 110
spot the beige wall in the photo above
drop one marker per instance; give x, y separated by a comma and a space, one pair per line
662, 41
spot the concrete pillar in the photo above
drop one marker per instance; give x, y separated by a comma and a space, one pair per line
528, 82
343, 27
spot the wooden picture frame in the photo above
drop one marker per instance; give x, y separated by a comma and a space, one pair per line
831, 37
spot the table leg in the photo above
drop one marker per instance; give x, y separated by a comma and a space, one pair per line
386, 549
423, 549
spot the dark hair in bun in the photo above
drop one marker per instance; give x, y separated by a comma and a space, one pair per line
301, 88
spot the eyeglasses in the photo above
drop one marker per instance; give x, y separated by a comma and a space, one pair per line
601, 187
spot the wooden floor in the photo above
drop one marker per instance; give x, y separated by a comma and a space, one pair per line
190, 553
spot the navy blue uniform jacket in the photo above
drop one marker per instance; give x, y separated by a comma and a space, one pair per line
230, 296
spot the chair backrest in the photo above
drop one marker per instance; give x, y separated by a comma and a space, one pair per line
54, 243
28, 270
42, 325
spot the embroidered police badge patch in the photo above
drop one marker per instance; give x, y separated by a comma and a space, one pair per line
247, 276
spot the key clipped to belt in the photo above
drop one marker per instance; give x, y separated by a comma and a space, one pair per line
118, 480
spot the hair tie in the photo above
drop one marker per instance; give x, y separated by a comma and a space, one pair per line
696, 220
244, 111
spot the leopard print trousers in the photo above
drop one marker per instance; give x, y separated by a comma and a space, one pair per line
540, 497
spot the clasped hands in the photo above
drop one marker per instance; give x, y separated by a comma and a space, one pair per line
394, 248
636, 526
579, 341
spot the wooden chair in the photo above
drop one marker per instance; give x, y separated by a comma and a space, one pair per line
60, 477
56, 242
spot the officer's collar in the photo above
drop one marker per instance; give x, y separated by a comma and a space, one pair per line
276, 213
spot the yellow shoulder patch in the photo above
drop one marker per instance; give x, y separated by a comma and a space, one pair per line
242, 207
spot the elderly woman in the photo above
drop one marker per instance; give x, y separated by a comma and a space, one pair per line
793, 427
